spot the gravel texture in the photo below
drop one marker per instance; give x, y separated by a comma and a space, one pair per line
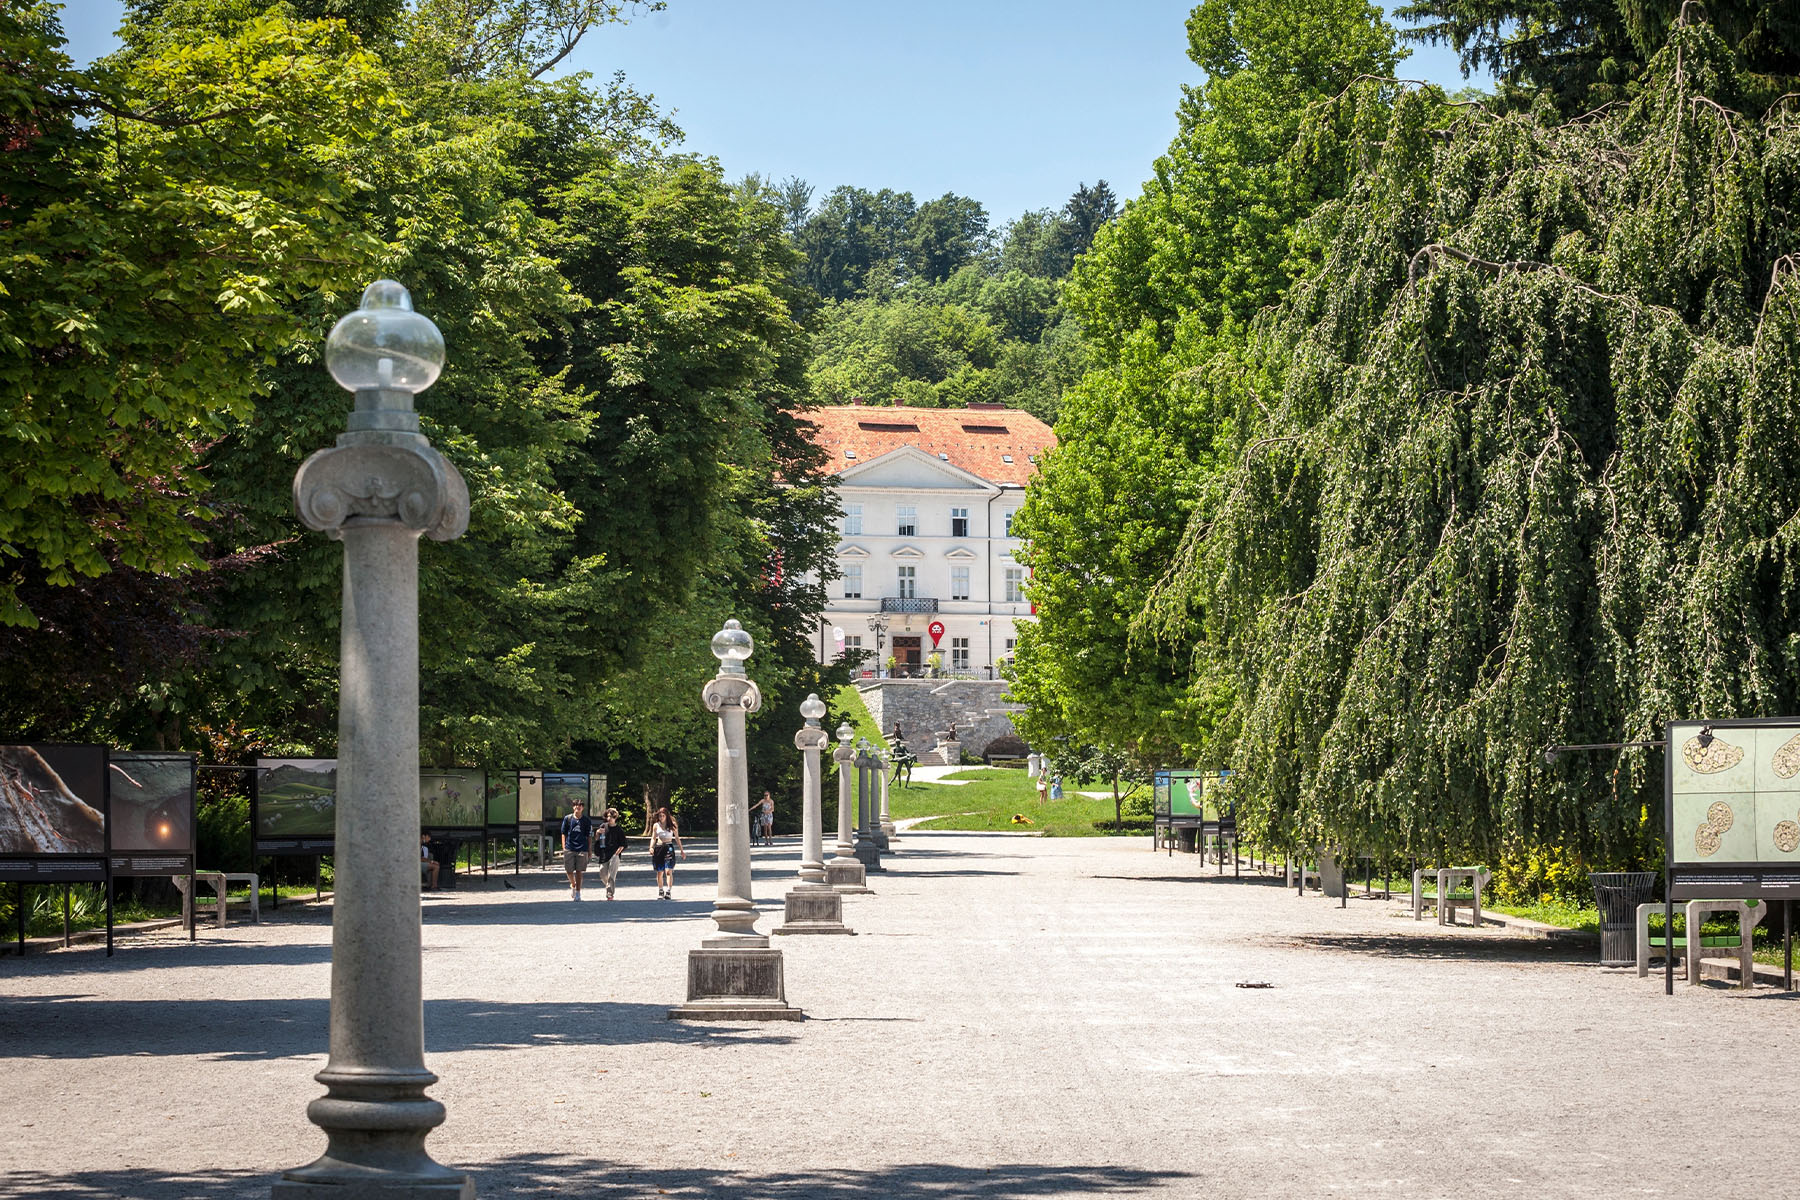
1018, 1017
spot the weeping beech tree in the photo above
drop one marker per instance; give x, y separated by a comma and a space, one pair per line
1517, 462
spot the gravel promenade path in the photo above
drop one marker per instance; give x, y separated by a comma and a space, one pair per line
1017, 1017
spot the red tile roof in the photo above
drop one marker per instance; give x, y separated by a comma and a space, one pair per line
975, 439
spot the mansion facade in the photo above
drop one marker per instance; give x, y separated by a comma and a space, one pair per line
926, 557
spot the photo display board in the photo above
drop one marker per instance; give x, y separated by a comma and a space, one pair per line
53, 806
294, 807
503, 800
1184, 795
152, 813
531, 798
1732, 809
453, 799
561, 791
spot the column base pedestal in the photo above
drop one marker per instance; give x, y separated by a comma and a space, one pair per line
868, 853
888, 833
846, 877
351, 1186
735, 984
293, 1189
811, 910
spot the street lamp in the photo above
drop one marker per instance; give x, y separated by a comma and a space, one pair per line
376, 491
878, 625
812, 907
735, 974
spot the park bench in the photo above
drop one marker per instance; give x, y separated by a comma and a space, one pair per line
220, 882
1748, 914
1450, 895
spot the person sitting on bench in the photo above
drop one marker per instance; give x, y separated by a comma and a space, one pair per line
428, 867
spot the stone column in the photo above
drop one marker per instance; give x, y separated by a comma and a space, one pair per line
844, 872
377, 491
884, 824
812, 907
868, 850
735, 975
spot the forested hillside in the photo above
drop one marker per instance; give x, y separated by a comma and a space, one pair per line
1424, 432
928, 304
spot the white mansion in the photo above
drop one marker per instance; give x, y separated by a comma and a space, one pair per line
926, 555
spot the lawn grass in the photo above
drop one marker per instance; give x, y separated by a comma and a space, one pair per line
848, 704
990, 800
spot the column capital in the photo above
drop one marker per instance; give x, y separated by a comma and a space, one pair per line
382, 477
731, 691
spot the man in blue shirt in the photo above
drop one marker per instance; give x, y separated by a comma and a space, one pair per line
577, 837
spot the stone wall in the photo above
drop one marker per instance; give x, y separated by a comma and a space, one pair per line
925, 707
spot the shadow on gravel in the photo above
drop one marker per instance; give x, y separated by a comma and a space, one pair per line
253, 1030
1240, 880
537, 1175
1495, 948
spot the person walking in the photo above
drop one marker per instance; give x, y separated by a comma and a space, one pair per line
765, 819
665, 844
611, 850
577, 841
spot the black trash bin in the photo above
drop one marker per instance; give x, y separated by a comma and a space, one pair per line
1617, 895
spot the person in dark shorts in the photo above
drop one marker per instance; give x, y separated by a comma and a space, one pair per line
577, 841
610, 850
428, 867
665, 844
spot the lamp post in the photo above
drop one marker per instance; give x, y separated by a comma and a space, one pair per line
376, 491
844, 871
812, 907
735, 975
884, 824
868, 850
878, 625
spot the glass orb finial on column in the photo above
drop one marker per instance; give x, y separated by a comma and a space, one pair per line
385, 344
812, 708
845, 733
731, 646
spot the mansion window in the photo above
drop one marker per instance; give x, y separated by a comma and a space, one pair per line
853, 520
1015, 585
959, 654
959, 583
853, 581
959, 522
853, 647
906, 520
909, 582
1009, 520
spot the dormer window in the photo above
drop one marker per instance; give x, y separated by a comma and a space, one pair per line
849, 454
1006, 458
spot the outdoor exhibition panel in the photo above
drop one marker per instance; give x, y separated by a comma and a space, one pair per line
53, 811
293, 807
503, 803
1732, 809
561, 790
1182, 799
152, 826
453, 800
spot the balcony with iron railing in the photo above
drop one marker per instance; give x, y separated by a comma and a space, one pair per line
909, 604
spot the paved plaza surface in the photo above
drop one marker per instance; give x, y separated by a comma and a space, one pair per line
1017, 1017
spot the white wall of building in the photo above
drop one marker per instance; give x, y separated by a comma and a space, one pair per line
938, 557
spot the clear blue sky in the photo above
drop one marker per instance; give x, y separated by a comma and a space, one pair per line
1011, 102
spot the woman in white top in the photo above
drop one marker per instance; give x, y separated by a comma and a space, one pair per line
665, 844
